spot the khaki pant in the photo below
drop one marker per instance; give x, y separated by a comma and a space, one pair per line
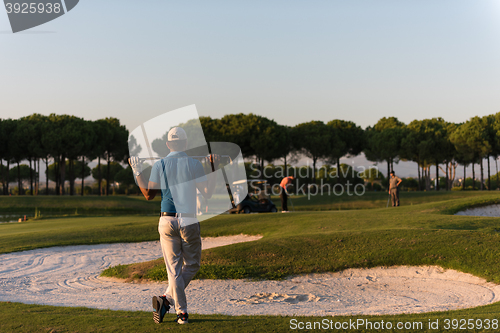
181, 247
395, 197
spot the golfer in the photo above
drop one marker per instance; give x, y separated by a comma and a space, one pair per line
394, 182
285, 182
177, 177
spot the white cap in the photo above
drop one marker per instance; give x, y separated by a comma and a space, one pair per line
176, 133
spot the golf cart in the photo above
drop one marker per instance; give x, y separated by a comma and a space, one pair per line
256, 201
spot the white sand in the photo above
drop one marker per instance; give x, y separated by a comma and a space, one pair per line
491, 210
68, 276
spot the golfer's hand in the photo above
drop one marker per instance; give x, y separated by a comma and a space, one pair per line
136, 165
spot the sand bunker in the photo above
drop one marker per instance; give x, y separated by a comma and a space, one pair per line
491, 210
69, 276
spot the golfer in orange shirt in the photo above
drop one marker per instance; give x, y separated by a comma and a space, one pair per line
285, 182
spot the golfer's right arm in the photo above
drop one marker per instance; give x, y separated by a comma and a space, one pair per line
150, 191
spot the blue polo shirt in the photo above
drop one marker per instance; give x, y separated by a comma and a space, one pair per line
177, 175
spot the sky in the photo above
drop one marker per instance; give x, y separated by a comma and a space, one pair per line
291, 61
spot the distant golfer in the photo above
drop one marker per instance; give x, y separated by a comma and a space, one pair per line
177, 177
285, 183
394, 182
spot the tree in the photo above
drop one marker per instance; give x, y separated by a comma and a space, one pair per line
55, 141
450, 156
256, 136
347, 139
9, 147
286, 146
90, 141
269, 140
240, 129
471, 143
77, 168
212, 129
113, 169
410, 149
372, 175
491, 125
463, 155
102, 134
4, 137
496, 144
79, 137
436, 146
21, 173
314, 140
384, 141
126, 178
115, 145
35, 149
159, 146
17, 144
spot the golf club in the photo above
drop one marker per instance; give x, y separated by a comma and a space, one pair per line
195, 157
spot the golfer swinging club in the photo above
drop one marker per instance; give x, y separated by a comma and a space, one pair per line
177, 177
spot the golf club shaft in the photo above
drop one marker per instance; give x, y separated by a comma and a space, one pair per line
195, 157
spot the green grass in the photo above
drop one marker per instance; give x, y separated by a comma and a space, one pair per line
87, 205
370, 200
311, 242
25, 318
120, 204
76, 231
293, 243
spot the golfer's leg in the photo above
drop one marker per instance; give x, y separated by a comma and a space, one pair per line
172, 254
191, 251
393, 198
284, 198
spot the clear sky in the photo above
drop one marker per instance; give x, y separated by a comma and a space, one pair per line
292, 61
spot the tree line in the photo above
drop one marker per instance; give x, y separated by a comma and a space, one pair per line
72, 142
64, 139
429, 143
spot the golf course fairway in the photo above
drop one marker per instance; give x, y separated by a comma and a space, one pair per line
292, 244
